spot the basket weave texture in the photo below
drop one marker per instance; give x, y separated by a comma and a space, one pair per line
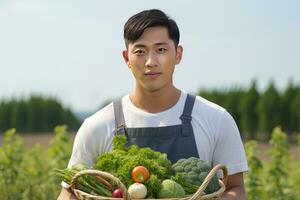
198, 195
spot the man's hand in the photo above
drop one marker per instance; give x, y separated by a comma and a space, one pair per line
235, 189
66, 195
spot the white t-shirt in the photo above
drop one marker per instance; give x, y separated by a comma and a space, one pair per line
216, 134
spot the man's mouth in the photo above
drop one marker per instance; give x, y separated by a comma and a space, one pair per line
153, 74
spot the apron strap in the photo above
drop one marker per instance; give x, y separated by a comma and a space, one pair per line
186, 116
119, 117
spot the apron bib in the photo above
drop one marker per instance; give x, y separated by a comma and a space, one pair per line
176, 141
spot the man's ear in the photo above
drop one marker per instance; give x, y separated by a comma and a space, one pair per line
179, 53
125, 56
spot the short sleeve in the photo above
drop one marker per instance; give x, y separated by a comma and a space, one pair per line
229, 149
85, 148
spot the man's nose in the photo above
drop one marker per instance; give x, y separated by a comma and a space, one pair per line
151, 60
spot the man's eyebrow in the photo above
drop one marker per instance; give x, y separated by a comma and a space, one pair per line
161, 43
139, 45
144, 46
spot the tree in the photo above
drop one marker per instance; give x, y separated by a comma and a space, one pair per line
232, 103
287, 118
248, 113
5, 115
53, 114
35, 114
269, 107
215, 96
18, 114
295, 111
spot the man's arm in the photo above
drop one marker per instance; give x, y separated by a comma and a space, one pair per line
235, 189
66, 195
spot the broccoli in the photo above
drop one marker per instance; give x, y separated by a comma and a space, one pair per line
193, 171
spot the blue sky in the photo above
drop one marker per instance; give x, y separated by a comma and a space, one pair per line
72, 49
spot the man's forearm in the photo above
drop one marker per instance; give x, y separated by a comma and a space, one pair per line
66, 195
234, 193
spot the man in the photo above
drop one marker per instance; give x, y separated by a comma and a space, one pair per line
159, 115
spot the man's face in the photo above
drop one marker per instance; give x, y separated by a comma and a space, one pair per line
152, 59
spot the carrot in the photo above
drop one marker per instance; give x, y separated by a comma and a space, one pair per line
104, 182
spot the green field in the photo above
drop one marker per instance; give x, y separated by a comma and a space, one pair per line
26, 167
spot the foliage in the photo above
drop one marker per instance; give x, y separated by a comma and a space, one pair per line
249, 115
11, 155
269, 105
289, 122
251, 108
253, 180
276, 179
257, 112
278, 173
27, 173
36, 114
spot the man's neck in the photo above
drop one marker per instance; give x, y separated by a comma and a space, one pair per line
157, 101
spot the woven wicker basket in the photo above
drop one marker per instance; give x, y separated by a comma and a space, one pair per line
199, 195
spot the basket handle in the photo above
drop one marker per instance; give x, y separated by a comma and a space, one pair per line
208, 178
105, 175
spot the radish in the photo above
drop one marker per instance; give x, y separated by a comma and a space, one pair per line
117, 193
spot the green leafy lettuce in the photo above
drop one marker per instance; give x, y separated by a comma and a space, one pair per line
123, 159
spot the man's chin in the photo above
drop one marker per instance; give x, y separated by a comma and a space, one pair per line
153, 89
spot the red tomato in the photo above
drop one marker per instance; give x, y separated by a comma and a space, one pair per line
117, 193
140, 174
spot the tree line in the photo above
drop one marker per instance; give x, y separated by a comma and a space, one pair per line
35, 114
257, 113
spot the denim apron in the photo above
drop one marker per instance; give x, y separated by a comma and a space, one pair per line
177, 141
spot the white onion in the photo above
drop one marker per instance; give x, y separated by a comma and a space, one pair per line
137, 191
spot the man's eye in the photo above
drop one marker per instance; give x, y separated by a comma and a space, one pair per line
162, 50
139, 52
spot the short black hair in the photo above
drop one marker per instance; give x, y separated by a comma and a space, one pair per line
136, 25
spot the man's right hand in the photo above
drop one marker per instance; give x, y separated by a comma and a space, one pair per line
66, 195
